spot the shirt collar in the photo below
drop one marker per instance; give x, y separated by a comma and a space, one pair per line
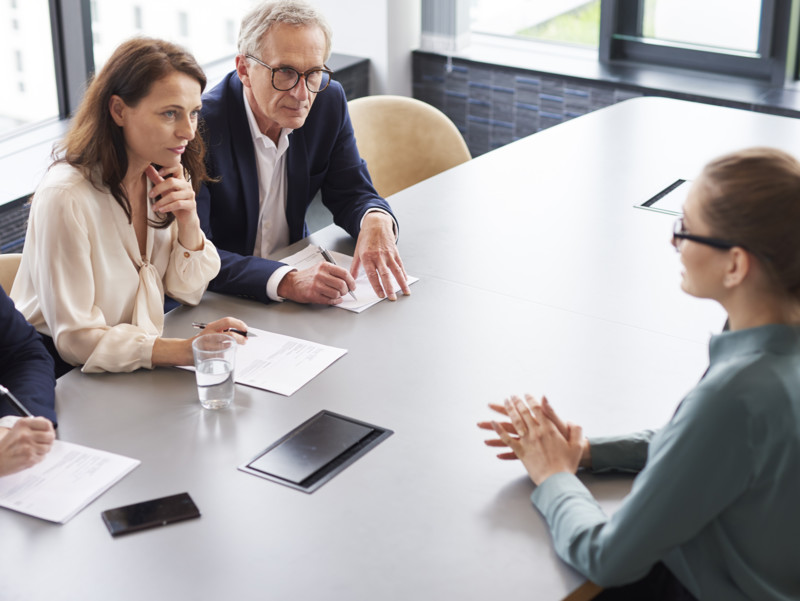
256, 134
776, 339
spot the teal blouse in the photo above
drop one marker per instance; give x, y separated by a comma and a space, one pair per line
718, 496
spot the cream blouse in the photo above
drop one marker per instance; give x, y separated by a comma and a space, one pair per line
83, 282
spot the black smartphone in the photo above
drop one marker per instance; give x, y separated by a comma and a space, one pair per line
150, 514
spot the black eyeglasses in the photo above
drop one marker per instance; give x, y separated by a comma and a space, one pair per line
679, 233
286, 78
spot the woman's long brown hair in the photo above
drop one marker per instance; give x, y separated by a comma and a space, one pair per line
95, 143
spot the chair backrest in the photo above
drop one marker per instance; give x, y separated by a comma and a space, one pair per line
404, 140
9, 264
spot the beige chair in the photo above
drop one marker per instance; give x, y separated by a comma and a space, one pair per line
404, 140
9, 264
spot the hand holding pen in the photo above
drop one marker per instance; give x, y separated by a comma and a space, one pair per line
242, 331
329, 258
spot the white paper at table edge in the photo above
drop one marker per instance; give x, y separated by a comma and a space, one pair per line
64, 518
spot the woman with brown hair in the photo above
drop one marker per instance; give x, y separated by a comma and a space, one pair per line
713, 511
113, 225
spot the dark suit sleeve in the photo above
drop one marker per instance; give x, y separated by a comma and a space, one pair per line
347, 189
26, 368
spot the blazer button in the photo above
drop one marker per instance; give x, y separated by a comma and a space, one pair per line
186, 254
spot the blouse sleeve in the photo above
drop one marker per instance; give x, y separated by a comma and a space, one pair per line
65, 283
189, 272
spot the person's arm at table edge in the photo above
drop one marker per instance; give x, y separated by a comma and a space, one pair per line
26, 368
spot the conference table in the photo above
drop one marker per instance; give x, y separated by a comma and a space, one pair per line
537, 273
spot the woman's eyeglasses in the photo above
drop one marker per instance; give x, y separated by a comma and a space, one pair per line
679, 233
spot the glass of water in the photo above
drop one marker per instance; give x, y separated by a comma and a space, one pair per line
214, 359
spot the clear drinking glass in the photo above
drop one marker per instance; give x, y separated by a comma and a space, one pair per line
214, 361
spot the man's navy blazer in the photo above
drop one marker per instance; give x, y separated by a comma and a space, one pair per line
322, 155
26, 368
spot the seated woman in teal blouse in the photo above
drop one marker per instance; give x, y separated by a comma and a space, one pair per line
713, 513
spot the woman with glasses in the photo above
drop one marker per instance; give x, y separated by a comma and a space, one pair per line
713, 510
113, 225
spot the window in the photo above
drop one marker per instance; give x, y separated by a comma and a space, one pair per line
711, 24
567, 21
59, 59
208, 38
231, 32
24, 42
748, 37
183, 24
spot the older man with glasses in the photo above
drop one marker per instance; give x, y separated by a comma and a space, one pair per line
277, 132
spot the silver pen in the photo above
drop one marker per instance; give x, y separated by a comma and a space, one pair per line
14, 401
329, 258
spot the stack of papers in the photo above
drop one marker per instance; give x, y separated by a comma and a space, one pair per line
69, 478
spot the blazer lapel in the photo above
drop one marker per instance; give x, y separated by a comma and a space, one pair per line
244, 158
297, 185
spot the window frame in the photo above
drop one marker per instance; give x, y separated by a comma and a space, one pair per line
71, 28
621, 41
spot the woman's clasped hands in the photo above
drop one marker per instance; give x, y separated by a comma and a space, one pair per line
538, 437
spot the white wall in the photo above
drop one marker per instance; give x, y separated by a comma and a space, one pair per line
384, 31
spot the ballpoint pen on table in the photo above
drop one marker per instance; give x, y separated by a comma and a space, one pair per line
201, 325
329, 258
14, 401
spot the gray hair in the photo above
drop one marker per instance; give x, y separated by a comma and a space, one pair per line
263, 15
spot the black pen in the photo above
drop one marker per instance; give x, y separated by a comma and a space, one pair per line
200, 325
14, 401
329, 258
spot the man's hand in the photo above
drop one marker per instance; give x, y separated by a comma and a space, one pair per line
324, 284
377, 253
25, 444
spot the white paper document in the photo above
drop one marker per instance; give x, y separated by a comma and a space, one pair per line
69, 478
310, 256
280, 363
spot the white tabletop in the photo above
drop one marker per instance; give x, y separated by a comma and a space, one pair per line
536, 274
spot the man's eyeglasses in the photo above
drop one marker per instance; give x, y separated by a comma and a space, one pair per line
679, 233
286, 78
